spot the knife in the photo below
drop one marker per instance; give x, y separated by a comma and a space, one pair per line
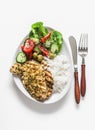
73, 45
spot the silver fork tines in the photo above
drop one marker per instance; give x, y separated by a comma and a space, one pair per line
83, 45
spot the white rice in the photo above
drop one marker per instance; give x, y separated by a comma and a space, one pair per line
59, 68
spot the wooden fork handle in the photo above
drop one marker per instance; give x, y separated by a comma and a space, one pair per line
77, 90
83, 81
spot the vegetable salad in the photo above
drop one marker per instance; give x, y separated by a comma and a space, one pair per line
40, 42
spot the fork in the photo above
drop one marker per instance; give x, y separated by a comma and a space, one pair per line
83, 51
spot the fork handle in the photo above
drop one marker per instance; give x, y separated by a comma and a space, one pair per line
77, 90
83, 80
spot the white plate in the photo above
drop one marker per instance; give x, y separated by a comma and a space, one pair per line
56, 96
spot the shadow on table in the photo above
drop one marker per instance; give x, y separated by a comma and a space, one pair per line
37, 107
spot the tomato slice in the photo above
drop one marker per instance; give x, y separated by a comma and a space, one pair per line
44, 51
43, 40
28, 47
30, 41
29, 56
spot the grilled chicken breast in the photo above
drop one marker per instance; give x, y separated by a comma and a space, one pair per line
37, 80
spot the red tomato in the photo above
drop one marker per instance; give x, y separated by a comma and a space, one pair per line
30, 41
29, 56
44, 51
28, 47
43, 40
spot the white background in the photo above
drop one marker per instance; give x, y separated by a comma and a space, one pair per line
71, 17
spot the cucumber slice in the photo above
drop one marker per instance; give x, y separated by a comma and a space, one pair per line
54, 48
21, 57
47, 44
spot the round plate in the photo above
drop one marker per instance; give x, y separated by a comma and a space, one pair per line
55, 96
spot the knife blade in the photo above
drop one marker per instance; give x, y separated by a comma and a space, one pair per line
73, 45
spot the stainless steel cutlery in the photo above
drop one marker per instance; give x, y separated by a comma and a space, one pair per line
82, 51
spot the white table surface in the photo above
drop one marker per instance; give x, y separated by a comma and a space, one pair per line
71, 18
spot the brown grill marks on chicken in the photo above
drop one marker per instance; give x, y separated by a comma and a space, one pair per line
37, 80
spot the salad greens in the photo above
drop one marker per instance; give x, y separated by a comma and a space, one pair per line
56, 37
38, 30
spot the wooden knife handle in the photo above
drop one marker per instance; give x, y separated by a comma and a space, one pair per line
77, 90
83, 81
